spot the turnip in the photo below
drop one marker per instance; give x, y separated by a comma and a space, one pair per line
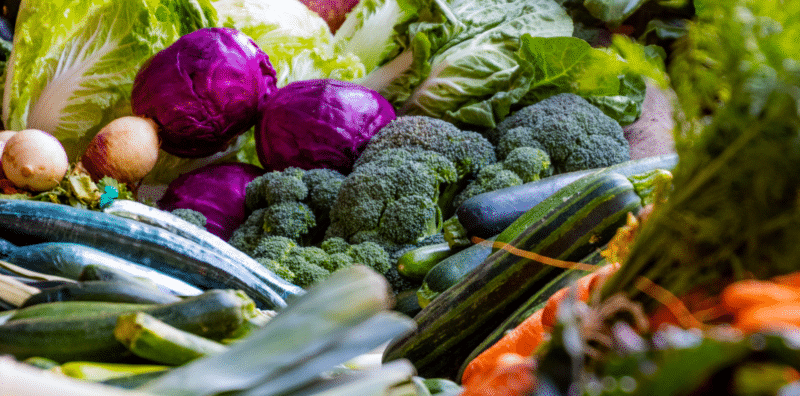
126, 149
34, 160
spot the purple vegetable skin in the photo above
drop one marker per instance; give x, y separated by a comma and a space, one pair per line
319, 123
203, 90
217, 191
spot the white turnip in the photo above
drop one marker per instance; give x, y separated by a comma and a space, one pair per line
34, 160
126, 149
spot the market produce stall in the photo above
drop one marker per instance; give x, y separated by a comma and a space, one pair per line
399, 198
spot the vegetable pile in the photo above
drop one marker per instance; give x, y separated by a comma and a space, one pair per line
398, 197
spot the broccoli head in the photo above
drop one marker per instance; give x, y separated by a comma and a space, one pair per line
522, 165
192, 216
393, 198
248, 235
574, 133
295, 204
469, 151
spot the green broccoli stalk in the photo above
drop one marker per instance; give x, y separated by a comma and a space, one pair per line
574, 133
735, 206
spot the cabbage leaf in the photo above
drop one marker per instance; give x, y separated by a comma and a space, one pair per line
73, 63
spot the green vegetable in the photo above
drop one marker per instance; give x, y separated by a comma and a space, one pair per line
451, 270
152, 339
417, 262
74, 309
75, 76
93, 371
106, 291
575, 134
192, 216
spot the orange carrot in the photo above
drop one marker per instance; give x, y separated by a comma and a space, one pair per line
583, 290
792, 279
511, 375
747, 293
769, 316
523, 340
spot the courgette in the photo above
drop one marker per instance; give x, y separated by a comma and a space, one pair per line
101, 291
406, 302
97, 372
215, 314
459, 319
415, 263
72, 310
451, 270
22, 221
534, 303
490, 213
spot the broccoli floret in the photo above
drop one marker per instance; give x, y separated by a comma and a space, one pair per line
248, 235
275, 187
335, 245
289, 219
192, 216
304, 265
522, 165
392, 199
574, 133
323, 187
274, 248
372, 255
278, 268
469, 151
339, 261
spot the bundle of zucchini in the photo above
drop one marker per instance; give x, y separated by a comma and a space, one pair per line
488, 288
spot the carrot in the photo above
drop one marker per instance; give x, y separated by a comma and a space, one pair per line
747, 293
523, 340
768, 317
792, 279
583, 290
512, 375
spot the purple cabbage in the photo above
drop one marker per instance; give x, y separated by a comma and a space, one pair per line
203, 90
319, 123
217, 191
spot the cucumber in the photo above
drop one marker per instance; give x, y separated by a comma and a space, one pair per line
154, 247
415, 263
101, 291
450, 271
70, 259
154, 340
215, 314
534, 303
490, 213
459, 319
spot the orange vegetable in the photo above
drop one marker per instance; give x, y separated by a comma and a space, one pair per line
511, 375
523, 340
583, 289
792, 279
747, 293
768, 317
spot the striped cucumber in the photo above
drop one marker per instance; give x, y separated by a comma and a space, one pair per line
148, 245
460, 318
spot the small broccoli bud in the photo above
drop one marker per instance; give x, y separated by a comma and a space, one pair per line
372, 255
339, 261
335, 245
274, 248
278, 268
289, 219
192, 216
529, 163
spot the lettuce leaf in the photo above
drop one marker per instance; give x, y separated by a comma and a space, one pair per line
73, 62
299, 42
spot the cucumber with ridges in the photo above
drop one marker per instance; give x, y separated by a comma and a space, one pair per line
148, 245
451, 270
70, 259
454, 323
488, 214
101, 291
215, 314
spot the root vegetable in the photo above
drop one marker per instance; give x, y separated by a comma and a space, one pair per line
34, 160
126, 149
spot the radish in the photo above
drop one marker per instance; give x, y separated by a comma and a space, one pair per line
34, 160
126, 149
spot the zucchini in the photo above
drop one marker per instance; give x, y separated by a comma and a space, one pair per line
490, 213
533, 304
406, 302
148, 245
152, 339
101, 291
459, 319
96, 372
72, 309
68, 260
215, 314
415, 263
450, 271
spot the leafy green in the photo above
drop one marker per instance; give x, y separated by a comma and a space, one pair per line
73, 62
298, 42
77, 189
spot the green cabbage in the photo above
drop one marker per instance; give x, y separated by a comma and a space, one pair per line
73, 63
299, 42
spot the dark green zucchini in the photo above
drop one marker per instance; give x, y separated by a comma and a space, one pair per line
215, 314
416, 263
72, 309
102, 291
406, 302
459, 319
450, 271
22, 221
534, 303
490, 213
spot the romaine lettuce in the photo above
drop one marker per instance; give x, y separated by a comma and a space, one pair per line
73, 62
299, 42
